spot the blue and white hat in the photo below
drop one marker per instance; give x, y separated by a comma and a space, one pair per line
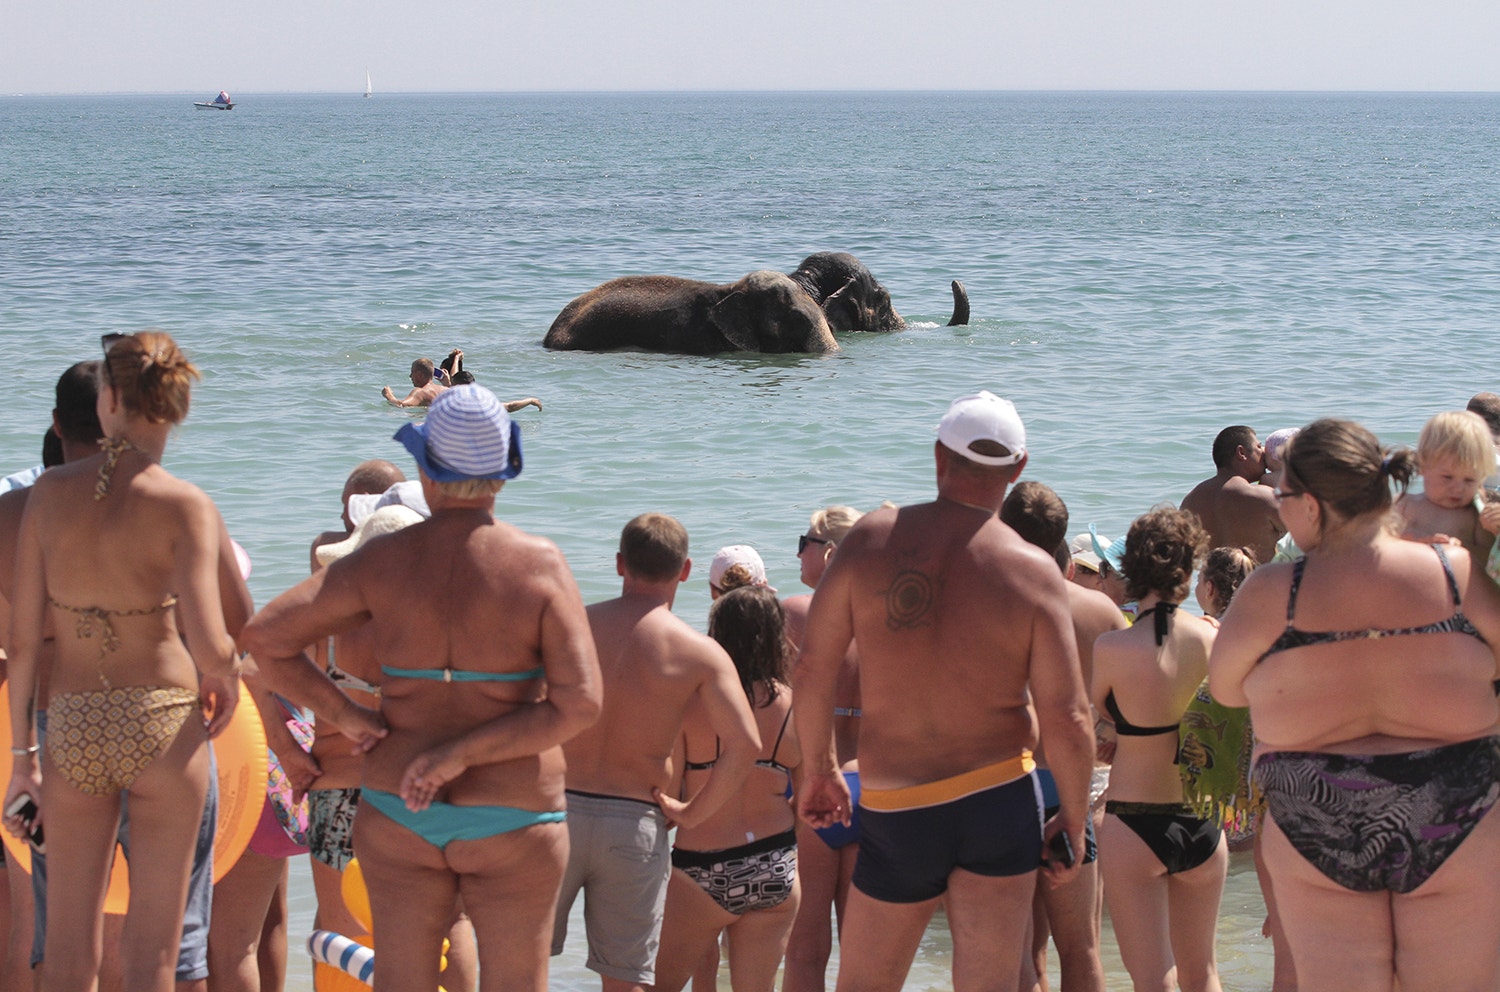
467, 435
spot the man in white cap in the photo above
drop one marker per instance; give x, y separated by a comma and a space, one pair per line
965, 645
655, 667
487, 667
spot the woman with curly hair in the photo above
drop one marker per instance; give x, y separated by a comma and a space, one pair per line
1164, 865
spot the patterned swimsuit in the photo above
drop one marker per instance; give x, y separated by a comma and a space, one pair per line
1383, 822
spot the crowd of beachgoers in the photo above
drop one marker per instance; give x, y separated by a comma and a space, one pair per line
978, 706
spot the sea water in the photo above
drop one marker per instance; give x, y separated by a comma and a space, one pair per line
1144, 269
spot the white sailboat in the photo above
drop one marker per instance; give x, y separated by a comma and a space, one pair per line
368, 88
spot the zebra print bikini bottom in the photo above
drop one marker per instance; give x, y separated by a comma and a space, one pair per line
1383, 821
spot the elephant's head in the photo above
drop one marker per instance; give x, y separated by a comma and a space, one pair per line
851, 297
767, 311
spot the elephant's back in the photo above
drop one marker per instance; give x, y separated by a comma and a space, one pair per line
637, 311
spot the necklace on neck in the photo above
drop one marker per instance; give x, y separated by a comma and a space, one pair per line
113, 448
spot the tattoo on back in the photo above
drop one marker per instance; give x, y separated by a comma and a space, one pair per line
908, 601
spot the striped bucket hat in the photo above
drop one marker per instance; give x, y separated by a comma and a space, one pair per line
467, 435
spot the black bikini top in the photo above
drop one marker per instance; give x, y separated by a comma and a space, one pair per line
771, 762
1163, 615
1125, 728
1291, 637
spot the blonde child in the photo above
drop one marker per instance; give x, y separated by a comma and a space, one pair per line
1454, 453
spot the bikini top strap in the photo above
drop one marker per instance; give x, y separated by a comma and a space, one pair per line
780, 734
1448, 573
1162, 616
1291, 595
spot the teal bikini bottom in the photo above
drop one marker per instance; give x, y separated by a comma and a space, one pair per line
442, 823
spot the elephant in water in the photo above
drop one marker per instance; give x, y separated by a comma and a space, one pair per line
765, 311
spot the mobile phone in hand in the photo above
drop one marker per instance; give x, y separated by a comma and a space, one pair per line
25, 807
1060, 849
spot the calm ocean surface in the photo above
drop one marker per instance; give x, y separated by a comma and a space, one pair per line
1144, 270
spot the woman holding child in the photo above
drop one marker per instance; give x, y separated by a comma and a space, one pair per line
1164, 863
1368, 668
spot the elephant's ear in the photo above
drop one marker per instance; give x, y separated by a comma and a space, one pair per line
838, 292
732, 318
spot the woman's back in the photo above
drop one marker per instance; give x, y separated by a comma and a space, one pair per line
762, 807
1145, 688
113, 570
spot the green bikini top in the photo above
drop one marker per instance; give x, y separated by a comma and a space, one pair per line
454, 675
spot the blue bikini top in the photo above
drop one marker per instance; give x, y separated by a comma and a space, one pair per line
1291, 637
455, 675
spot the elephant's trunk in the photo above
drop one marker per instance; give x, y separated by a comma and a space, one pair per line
960, 305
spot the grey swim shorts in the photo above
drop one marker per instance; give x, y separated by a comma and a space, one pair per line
619, 857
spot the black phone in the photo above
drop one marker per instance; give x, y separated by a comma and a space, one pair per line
25, 807
1060, 849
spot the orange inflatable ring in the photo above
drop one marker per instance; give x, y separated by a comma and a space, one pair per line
242, 760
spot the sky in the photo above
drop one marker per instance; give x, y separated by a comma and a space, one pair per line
268, 46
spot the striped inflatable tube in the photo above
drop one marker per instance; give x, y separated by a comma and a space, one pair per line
338, 951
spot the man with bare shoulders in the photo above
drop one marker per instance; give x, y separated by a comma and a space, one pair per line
367, 479
655, 668
1235, 511
966, 646
1071, 912
425, 386
487, 667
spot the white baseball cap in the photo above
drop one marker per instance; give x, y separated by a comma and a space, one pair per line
737, 554
983, 416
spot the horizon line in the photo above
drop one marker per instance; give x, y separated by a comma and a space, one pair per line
781, 92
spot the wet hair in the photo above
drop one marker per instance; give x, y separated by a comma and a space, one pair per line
1461, 436
833, 523
654, 547
454, 363
77, 408
1345, 468
1229, 440
750, 624
1162, 548
423, 365
1487, 406
151, 377
462, 378
1226, 568
1038, 514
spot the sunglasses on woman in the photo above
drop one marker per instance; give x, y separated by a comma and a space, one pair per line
804, 541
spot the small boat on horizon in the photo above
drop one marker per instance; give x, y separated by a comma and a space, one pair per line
368, 88
220, 102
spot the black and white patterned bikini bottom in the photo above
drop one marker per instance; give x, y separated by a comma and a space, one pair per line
758, 875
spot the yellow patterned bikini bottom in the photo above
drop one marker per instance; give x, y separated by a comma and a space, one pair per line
101, 740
